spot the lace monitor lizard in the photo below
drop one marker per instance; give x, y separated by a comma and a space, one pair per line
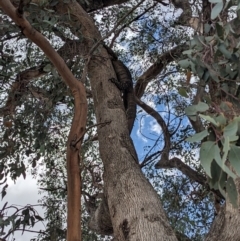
125, 85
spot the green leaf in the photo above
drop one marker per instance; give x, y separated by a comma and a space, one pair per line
216, 9
222, 48
200, 71
224, 106
42, 149
215, 1
210, 119
215, 172
209, 38
233, 138
198, 136
231, 129
221, 119
214, 76
226, 148
232, 192
234, 155
222, 183
220, 162
191, 110
47, 68
49, 22
220, 30
193, 117
182, 91
201, 107
207, 28
205, 77
185, 63
188, 52
207, 155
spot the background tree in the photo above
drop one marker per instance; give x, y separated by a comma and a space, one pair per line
162, 53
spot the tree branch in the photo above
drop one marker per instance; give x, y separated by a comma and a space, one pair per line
18, 89
187, 171
161, 122
126, 25
67, 51
157, 68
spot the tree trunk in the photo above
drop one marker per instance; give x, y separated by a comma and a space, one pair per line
226, 223
135, 208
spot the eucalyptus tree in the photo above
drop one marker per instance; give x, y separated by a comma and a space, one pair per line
113, 56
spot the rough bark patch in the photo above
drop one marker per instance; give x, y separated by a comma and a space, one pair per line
114, 104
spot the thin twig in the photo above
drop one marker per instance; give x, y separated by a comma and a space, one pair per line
100, 41
125, 25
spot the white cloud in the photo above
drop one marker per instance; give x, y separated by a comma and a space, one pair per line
155, 127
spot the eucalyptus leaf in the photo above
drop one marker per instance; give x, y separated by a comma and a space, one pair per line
47, 68
220, 30
185, 63
201, 107
221, 163
215, 172
189, 51
216, 9
193, 117
215, 1
191, 110
234, 155
207, 155
182, 91
198, 136
207, 28
222, 183
209, 38
221, 119
231, 129
214, 76
233, 138
210, 119
226, 148
223, 49
232, 192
